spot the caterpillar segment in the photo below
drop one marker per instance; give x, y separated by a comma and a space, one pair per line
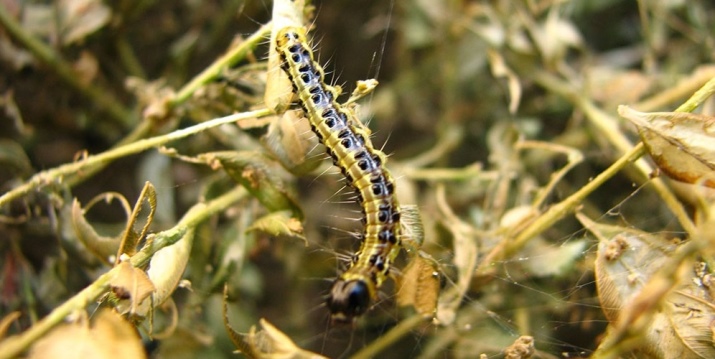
347, 142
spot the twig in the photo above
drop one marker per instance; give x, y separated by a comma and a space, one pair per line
608, 125
229, 59
14, 346
73, 169
395, 334
556, 212
560, 210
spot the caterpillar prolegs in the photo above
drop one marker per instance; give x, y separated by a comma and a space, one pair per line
363, 167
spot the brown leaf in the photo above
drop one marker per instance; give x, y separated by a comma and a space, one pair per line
101, 246
419, 286
681, 144
254, 171
272, 343
80, 18
625, 260
692, 318
523, 348
131, 284
279, 224
267, 343
109, 337
131, 238
165, 271
634, 293
290, 140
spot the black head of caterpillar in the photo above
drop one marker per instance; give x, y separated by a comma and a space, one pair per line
363, 167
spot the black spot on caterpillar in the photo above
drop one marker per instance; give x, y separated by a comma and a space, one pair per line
363, 167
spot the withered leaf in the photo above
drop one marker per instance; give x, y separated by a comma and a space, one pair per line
108, 337
131, 237
272, 343
691, 315
101, 246
627, 277
165, 271
267, 343
625, 260
131, 285
419, 286
290, 140
80, 18
252, 170
280, 224
681, 144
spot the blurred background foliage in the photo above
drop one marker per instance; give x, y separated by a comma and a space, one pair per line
462, 85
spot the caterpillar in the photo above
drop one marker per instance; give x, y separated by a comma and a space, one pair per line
348, 144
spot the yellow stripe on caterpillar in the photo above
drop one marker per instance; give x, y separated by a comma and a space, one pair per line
347, 141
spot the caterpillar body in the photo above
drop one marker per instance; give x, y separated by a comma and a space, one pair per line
348, 143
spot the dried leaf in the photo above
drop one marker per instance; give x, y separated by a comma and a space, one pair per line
555, 37
267, 343
131, 238
290, 140
101, 246
165, 271
109, 337
413, 231
501, 70
681, 144
272, 343
279, 224
251, 170
546, 260
627, 265
611, 85
278, 95
81, 18
625, 260
131, 286
419, 286
523, 348
465, 259
692, 318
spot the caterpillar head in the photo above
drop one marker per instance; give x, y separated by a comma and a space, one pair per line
291, 35
348, 300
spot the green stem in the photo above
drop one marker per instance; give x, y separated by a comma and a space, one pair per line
698, 97
395, 334
75, 169
610, 129
558, 211
16, 345
230, 58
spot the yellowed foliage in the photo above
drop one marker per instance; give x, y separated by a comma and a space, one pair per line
681, 144
675, 319
419, 286
132, 284
108, 336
